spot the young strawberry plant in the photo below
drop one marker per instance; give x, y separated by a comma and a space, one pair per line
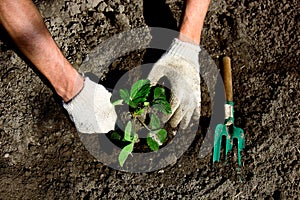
145, 102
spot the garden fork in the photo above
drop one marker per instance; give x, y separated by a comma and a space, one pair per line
228, 130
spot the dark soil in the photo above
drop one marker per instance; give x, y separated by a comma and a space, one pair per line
43, 157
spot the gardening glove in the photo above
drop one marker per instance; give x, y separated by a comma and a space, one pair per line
91, 110
180, 65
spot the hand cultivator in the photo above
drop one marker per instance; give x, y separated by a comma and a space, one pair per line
231, 133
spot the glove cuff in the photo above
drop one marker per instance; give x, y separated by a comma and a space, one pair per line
186, 50
82, 97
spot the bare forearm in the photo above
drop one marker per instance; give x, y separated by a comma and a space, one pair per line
193, 20
25, 25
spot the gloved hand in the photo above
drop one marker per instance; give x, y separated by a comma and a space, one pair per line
91, 110
180, 65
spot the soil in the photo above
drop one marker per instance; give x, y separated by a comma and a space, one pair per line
42, 155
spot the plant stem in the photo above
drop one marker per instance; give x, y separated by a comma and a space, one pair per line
143, 124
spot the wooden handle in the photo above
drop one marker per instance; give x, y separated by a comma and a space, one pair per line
227, 78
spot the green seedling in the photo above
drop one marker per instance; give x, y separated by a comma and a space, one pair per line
143, 99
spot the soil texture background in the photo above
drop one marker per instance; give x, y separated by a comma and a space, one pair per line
42, 156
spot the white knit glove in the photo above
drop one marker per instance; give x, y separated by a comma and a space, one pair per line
91, 110
180, 65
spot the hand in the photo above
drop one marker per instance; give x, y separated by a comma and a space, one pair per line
180, 65
91, 110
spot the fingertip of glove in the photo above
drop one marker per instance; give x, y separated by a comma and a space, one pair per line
197, 113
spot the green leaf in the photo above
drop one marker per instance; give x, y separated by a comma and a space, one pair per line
140, 111
124, 153
128, 136
154, 122
163, 106
161, 135
118, 102
152, 144
140, 90
156, 138
132, 104
124, 94
159, 94
115, 136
